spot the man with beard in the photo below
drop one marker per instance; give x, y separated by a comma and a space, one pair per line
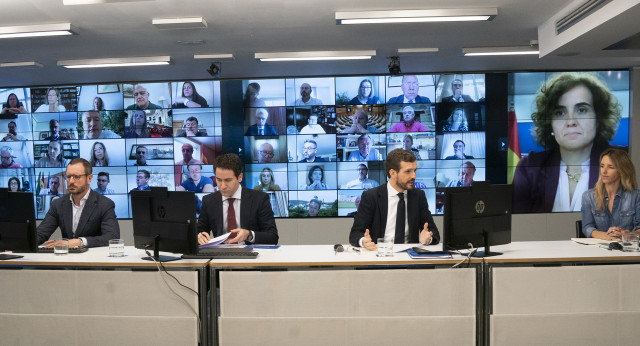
305, 97
395, 210
84, 216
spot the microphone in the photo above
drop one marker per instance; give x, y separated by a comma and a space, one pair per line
338, 248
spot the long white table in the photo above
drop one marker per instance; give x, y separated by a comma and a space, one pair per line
562, 293
93, 299
309, 295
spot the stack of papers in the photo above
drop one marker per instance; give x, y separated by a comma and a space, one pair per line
435, 254
591, 241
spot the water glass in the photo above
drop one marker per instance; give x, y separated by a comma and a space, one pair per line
61, 246
116, 248
385, 248
630, 242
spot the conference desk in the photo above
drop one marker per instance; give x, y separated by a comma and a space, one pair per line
561, 293
551, 293
93, 299
310, 295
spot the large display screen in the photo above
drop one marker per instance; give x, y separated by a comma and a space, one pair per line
560, 123
313, 144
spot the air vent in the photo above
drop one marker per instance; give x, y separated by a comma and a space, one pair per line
572, 18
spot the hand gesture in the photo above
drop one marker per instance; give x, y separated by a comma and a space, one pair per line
425, 234
367, 243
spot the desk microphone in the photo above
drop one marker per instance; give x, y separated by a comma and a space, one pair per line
338, 248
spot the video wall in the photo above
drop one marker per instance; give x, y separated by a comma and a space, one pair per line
313, 144
134, 135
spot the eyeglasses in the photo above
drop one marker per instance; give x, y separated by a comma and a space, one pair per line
458, 85
309, 148
6, 157
266, 153
141, 93
74, 177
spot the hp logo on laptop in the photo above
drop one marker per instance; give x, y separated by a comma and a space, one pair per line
480, 207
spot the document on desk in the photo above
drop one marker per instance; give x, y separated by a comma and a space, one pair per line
216, 241
591, 241
436, 255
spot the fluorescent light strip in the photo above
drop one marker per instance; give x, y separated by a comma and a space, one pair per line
414, 20
416, 16
116, 62
38, 30
36, 34
316, 55
117, 65
530, 52
213, 56
319, 58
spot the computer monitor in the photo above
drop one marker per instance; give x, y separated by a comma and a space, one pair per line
17, 221
479, 215
164, 221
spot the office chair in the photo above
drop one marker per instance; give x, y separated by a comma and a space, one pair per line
579, 233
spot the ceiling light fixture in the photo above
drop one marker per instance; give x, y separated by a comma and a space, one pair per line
317, 55
21, 64
416, 16
531, 49
37, 30
417, 51
180, 23
117, 62
214, 56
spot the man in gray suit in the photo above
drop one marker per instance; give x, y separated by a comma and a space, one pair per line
84, 216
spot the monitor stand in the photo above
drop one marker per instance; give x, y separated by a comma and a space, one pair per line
487, 248
156, 253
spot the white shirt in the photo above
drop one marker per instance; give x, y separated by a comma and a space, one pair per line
312, 102
77, 213
236, 208
311, 129
562, 202
392, 211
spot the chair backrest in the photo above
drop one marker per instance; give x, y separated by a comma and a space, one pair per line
579, 233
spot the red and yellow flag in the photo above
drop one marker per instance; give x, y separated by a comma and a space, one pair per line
513, 155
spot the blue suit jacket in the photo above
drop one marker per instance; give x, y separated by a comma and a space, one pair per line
97, 223
255, 215
372, 215
269, 130
400, 99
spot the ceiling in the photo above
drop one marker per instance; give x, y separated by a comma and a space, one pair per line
244, 27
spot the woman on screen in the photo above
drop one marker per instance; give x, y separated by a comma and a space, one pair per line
267, 182
576, 117
53, 156
407, 144
138, 127
99, 156
316, 179
14, 184
13, 106
365, 94
53, 102
251, 98
613, 206
190, 98
457, 121
98, 104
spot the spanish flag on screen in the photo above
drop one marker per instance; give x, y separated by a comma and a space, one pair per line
513, 155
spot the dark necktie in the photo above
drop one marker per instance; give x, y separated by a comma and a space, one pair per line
260, 132
231, 215
399, 239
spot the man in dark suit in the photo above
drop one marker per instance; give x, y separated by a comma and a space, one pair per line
410, 88
84, 216
254, 224
456, 93
395, 210
261, 128
458, 152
